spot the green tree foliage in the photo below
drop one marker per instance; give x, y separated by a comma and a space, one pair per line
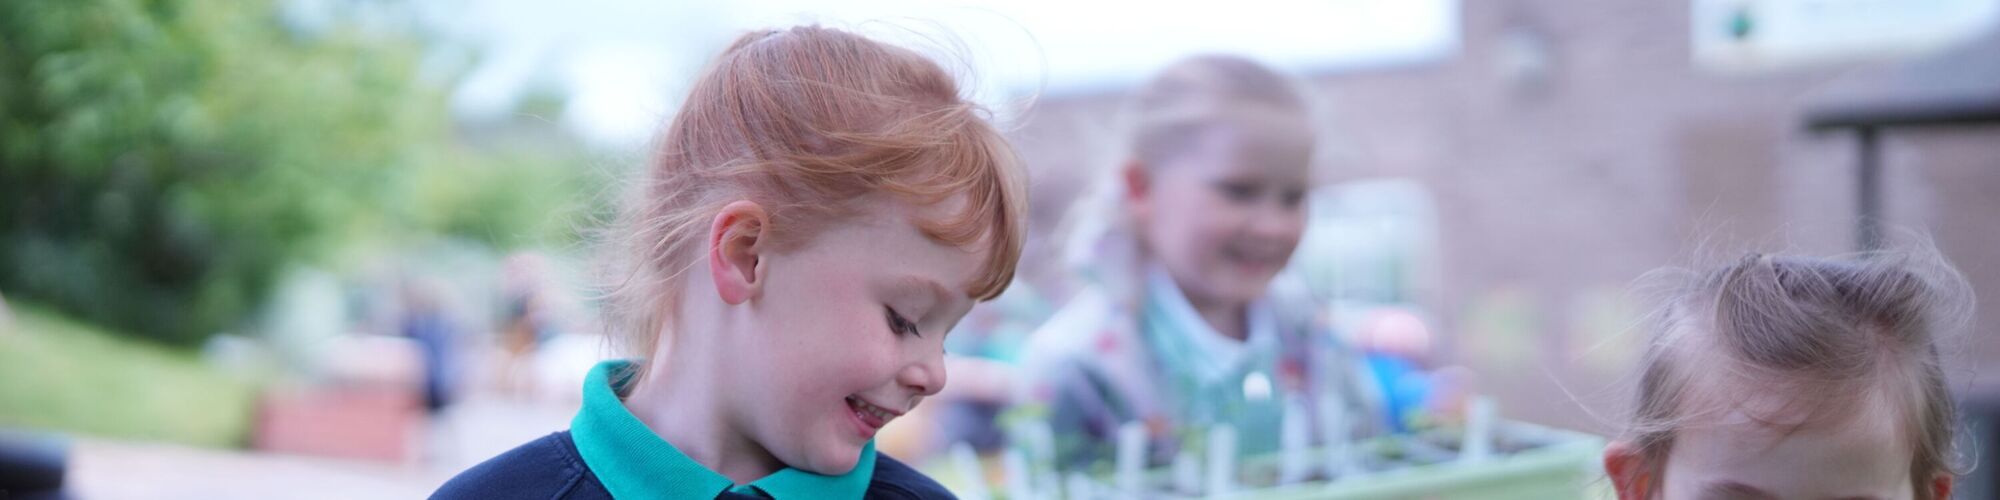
162, 160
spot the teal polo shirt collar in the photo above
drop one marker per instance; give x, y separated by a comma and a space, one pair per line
633, 462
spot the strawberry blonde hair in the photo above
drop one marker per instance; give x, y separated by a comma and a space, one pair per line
802, 121
1835, 334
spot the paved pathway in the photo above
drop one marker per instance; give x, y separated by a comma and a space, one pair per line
470, 432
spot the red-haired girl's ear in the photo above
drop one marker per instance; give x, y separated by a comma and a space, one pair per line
735, 255
1627, 467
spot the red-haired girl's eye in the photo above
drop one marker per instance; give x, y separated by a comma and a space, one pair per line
899, 324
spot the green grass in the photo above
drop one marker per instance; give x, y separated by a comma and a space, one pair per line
60, 374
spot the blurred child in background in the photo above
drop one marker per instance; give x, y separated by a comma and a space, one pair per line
1184, 322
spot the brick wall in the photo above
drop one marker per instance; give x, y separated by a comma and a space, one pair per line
1557, 188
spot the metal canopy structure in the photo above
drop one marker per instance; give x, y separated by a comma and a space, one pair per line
1959, 87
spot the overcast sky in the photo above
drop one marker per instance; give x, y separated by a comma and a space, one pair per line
624, 65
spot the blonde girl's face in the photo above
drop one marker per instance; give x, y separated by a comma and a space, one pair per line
1756, 452
851, 328
1224, 215
1753, 461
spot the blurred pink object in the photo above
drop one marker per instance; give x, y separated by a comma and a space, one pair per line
367, 406
1398, 332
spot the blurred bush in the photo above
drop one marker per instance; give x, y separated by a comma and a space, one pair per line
162, 160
